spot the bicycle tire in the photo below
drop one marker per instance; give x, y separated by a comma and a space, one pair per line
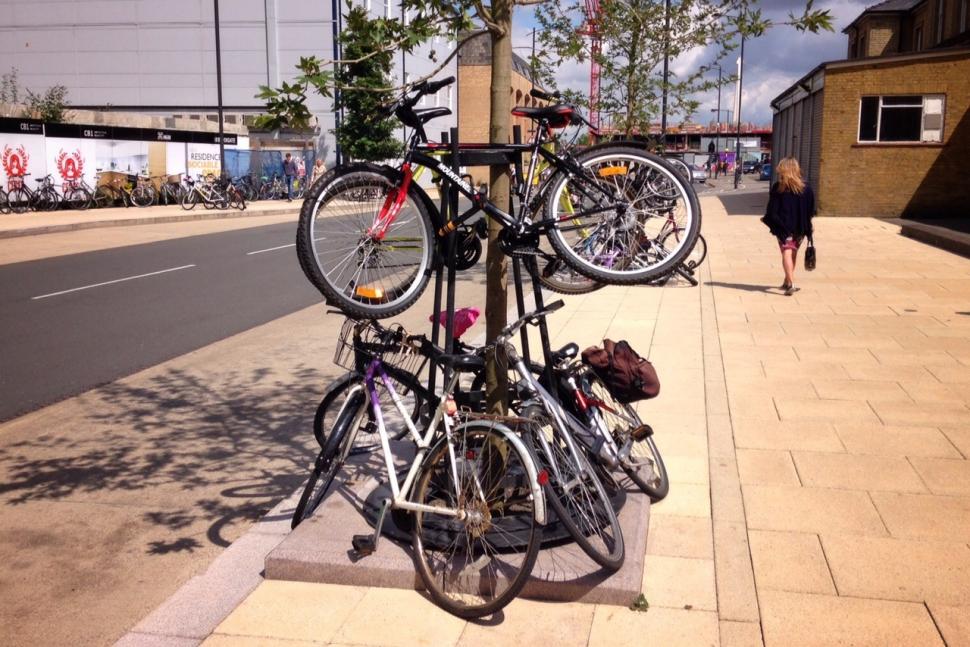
190, 199
682, 167
4, 204
643, 463
641, 258
592, 500
369, 297
142, 196
329, 407
469, 252
330, 459
562, 279
19, 201
489, 459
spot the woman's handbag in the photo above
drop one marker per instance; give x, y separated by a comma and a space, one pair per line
810, 255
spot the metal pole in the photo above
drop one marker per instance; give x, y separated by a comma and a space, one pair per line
717, 136
663, 109
335, 31
222, 146
737, 154
533, 61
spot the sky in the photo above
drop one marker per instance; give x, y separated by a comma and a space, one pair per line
772, 63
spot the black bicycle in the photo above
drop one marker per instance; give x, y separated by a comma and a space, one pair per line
368, 235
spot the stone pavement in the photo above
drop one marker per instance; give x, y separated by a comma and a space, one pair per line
817, 446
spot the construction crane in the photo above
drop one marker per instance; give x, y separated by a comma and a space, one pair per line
590, 29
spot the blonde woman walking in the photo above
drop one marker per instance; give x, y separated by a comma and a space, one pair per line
791, 206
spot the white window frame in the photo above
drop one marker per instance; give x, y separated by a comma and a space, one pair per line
924, 138
388, 6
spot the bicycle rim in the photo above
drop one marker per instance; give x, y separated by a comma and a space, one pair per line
365, 268
614, 237
640, 458
576, 494
475, 566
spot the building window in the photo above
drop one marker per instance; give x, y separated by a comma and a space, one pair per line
940, 19
910, 119
862, 47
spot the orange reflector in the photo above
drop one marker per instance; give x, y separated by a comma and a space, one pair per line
370, 293
612, 170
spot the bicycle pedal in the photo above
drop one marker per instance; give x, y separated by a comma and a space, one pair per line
641, 433
364, 545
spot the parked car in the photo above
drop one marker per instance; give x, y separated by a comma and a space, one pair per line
750, 166
699, 172
765, 173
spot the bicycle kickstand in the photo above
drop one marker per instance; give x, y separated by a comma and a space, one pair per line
364, 545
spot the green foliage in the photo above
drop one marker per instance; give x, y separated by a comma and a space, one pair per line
9, 87
363, 134
635, 38
48, 106
380, 37
640, 604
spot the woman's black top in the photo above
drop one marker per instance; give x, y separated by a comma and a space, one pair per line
790, 214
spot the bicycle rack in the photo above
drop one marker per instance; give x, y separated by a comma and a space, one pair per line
445, 266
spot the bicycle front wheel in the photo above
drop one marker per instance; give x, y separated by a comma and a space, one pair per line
639, 457
576, 493
143, 196
477, 553
364, 262
18, 201
339, 440
367, 436
608, 221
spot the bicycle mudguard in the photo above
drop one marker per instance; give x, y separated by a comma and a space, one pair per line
537, 491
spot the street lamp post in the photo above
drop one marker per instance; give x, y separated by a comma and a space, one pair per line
222, 145
737, 154
717, 136
663, 109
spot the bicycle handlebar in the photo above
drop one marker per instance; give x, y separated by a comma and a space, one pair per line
545, 96
531, 318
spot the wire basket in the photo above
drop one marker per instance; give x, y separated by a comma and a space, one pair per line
361, 342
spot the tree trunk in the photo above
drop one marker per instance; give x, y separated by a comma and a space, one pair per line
496, 265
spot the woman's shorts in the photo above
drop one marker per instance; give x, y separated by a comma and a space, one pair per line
790, 243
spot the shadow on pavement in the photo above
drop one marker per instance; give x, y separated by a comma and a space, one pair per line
743, 286
184, 455
748, 203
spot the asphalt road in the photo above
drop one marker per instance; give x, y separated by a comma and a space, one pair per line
71, 323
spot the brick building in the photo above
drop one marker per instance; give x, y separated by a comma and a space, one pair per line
886, 132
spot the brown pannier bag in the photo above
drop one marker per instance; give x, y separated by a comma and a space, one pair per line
628, 376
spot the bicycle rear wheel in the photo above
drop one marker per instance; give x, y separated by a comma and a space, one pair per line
18, 200
365, 267
576, 494
475, 564
367, 436
609, 220
4, 204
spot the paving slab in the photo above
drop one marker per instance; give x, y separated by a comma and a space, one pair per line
319, 550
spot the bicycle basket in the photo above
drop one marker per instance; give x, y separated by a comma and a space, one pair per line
361, 342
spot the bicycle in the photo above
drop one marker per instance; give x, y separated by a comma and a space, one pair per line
573, 489
77, 194
379, 254
21, 198
206, 192
169, 192
472, 488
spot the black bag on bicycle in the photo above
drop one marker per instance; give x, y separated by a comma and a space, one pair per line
628, 376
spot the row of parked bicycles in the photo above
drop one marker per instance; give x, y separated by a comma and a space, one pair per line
113, 190
484, 492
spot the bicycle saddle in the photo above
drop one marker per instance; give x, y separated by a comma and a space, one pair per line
559, 115
568, 351
462, 362
425, 115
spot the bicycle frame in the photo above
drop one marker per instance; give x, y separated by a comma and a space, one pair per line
401, 492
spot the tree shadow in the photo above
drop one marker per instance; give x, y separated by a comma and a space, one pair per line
188, 456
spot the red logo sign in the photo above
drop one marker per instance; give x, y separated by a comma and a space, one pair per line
15, 161
70, 167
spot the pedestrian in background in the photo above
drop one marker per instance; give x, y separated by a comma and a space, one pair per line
289, 172
318, 170
791, 207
